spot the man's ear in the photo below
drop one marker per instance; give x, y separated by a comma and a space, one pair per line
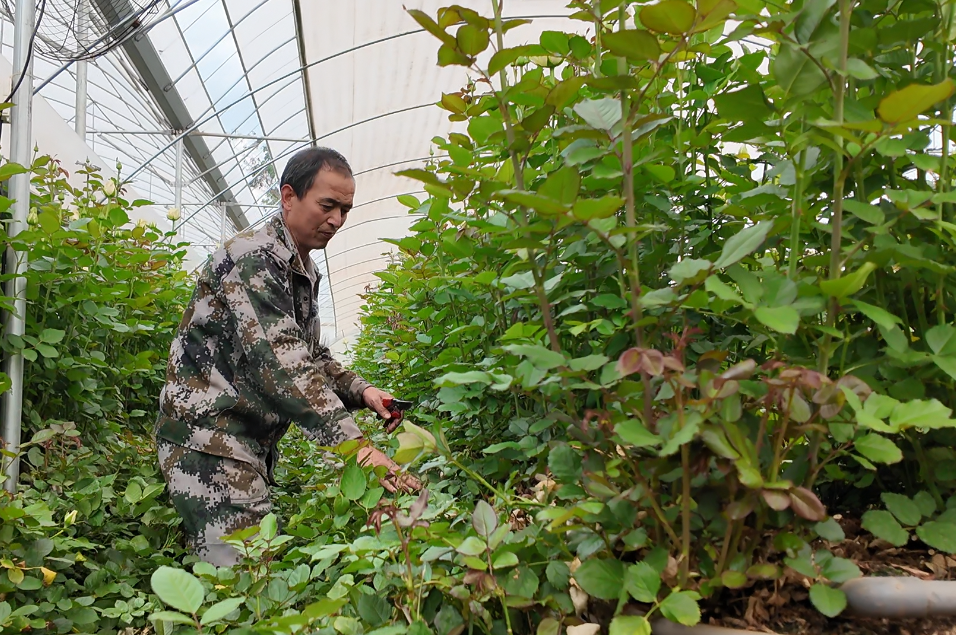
286, 194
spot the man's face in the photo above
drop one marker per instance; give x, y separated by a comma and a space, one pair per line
315, 218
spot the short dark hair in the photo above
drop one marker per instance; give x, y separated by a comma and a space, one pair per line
301, 169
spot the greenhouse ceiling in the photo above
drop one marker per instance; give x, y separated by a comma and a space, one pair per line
251, 82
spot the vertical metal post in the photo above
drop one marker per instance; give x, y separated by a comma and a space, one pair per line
82, 18
21, 119
178, 184
222, 223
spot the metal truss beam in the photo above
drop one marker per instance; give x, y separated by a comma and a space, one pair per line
149, 65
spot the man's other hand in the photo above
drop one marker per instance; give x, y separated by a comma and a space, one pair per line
374, 399
393, 481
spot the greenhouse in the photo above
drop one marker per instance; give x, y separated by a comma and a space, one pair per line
504, 317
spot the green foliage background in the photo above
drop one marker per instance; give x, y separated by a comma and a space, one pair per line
678, 292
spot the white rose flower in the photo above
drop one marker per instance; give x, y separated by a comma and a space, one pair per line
142, 223
109, 188
174, 214
32, 216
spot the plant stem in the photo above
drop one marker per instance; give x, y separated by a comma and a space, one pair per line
685, 493
839, 178
503, 106
925, 472
633, 271
796, 211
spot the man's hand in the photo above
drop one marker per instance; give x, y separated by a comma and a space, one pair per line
374, 398
391, 481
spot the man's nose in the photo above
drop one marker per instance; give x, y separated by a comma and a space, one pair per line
335, 219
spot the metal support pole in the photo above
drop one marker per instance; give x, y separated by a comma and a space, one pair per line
222, 223
79, 123
178, 184
20, 147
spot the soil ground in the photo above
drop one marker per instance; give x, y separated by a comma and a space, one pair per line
785, 608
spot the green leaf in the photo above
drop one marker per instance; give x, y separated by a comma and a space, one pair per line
681, 607
603, 113
52, 336
587, 209
827, 600
588, 363
746, 104
907, 103
133, 492
481, 128
484, 519
471, 546
564, 463
848, 284
458, 379
884, 526
905, 510
47, 351
670, 16
733, 579
353, 482
633, 432
564, 91
939, 535
562, 185
431, 26
447, 621
858, 69
742, 244
505, 560
878, 449
927, 505
409, 201
830, 529
795, 72
409, 447
373, 608
10, 168
633, 44
220, 610
880, 316
472, 40
178, 589
601, 578
840, 570
688, 268
783, 319
920, 413
541, 357
171, 616
864, 211
558, 574
555, 42
537, 202
643, 582
942, 339
629, 625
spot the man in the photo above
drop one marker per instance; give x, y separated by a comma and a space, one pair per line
247, 362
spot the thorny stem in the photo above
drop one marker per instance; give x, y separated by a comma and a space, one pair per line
925, 471
839, 176
796, 212
649, 495
634, 271
505, 112
685, 493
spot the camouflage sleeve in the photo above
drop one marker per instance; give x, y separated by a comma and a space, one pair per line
257, 292
346, 384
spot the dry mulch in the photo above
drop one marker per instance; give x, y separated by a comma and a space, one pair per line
784, 607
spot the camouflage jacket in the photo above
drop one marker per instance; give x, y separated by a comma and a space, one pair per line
247, 361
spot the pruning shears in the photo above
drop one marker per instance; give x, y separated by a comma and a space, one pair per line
395, 408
